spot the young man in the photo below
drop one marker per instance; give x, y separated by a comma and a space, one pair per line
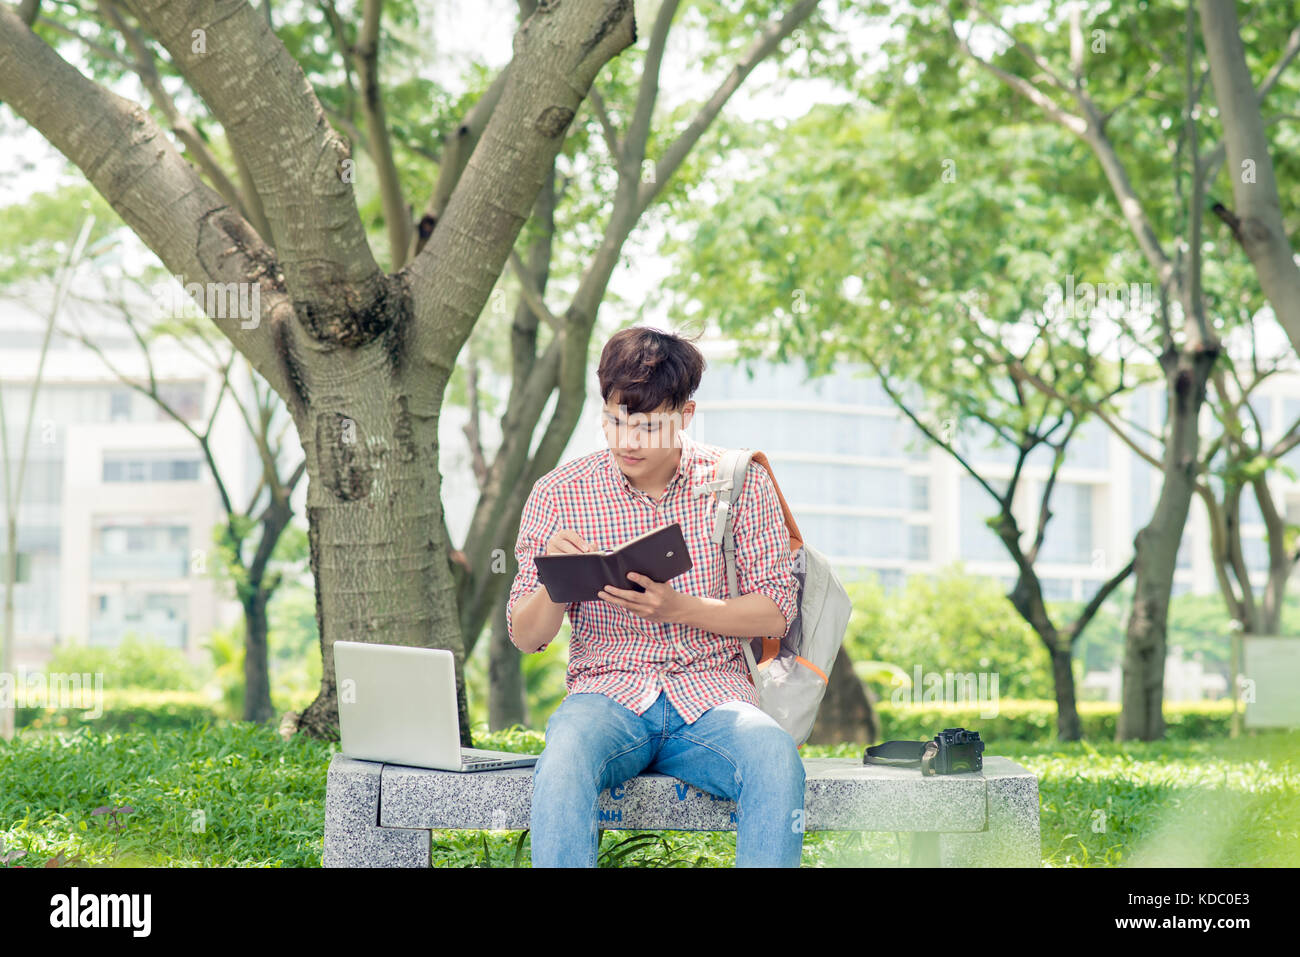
656, 679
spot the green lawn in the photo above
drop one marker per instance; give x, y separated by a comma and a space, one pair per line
237, 795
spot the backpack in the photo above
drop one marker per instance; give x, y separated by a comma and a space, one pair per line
790, 673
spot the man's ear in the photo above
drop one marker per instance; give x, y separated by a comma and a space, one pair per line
688, 412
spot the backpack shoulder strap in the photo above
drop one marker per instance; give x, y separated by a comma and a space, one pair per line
728, 481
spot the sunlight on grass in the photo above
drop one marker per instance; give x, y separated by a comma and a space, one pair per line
237, 795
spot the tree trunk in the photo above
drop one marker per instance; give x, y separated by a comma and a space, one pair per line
257, 679
378, 549
1156, 549
255, 595
507, 692
7, 713
1068, 726
846, 714
1027, 598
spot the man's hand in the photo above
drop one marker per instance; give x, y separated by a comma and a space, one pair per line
566, 542
659, 602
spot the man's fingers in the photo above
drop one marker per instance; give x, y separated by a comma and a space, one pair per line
615, 600
569, 542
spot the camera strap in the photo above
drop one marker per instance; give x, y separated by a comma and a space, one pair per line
904, 754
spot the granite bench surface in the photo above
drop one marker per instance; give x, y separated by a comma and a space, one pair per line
380, 814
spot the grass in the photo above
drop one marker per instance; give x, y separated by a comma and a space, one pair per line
230, 794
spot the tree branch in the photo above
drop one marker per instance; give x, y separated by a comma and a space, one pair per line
606, 124
262, 98
1262, 232
762, 47
396, 217
146, 68
558, 52
136, 169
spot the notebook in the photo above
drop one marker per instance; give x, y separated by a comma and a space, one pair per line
659, 554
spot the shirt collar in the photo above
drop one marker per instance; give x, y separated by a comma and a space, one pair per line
685, 464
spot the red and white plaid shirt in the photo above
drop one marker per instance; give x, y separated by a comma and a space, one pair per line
615, 653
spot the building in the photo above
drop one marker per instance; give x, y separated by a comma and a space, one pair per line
118, 507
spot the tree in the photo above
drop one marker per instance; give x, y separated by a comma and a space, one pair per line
14, 471
360, 357
1025, 70
856, 247
253, 536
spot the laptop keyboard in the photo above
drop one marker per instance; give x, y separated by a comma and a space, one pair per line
475, 758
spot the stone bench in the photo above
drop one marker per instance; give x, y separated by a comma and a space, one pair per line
380, 815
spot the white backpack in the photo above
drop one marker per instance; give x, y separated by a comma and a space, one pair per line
791, 673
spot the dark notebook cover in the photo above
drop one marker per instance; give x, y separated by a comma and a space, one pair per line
579, 576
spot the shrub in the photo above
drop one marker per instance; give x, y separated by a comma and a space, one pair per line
1027, 721
134, 663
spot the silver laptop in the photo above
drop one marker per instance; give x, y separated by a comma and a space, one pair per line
398, 705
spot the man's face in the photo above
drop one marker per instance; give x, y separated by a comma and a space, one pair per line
644, 443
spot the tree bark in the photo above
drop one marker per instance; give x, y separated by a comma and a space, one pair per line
257, 681
1156, 548
1068, 726
1258, 215
378, 550
507, 692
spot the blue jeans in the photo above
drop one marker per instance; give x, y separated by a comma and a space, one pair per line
734, 750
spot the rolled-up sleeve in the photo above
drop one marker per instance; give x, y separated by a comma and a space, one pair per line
538, 522
763, 560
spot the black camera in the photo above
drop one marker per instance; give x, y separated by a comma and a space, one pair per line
955, 750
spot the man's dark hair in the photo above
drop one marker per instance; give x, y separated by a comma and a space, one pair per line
646, 368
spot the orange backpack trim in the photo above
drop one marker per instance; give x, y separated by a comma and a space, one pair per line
772, 646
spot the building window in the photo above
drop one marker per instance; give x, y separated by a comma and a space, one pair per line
978, 541
119, 406
918, 546
123, 539
1069, 534
836, 483
920, 492
141, 467
891, 579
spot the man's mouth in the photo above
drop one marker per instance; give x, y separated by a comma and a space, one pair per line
632, 459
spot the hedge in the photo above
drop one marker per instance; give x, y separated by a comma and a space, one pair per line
138, 708
1014, 720
1036, 720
